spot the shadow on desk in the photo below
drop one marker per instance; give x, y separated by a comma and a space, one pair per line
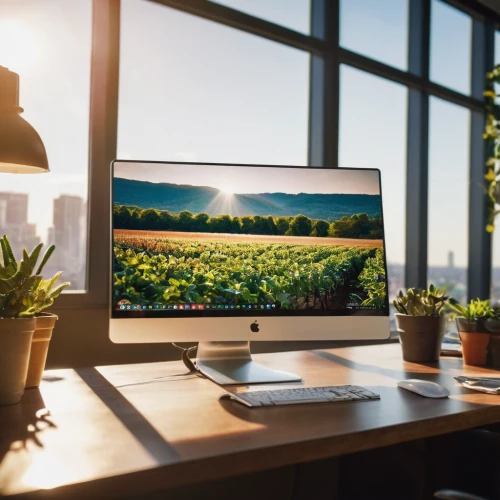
25, 422
131, 418
388, 372
283, 483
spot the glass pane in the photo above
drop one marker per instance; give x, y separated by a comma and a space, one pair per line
495, 275
215, 94
364, 99
449, 132
451, 32
49, 43
293, 14
376, 29
497, 47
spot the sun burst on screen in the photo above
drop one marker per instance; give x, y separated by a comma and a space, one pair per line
226, 191
18, 47
225, 202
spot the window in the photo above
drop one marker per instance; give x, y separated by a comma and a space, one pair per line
366, 101
495, 275
449, 132
48, 44
206, 92
451, 32
376, 29
293, 14
195, 89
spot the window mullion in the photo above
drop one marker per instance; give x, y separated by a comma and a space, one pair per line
480, 254
418, 147
103, 139
324, 86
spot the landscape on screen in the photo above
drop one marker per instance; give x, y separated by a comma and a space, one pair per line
198, 244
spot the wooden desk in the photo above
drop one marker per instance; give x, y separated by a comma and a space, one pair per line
109, 432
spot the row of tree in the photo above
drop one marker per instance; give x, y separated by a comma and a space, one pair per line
150, 219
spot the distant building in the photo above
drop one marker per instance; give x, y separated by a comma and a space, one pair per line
68, 234
3, 213
451, 259
14, 222
15, 208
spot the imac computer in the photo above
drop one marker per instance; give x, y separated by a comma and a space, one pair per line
225, 254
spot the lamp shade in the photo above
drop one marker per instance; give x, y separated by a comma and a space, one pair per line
21, 149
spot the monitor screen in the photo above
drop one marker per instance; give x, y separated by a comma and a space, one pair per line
197, 240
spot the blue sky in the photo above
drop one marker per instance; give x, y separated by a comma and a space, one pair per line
377, 29
293, 14
194, 90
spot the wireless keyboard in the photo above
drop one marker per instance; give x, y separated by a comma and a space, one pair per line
302, 395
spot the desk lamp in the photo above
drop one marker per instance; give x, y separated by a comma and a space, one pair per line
21, 149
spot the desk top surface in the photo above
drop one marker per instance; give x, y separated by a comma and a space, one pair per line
137, 427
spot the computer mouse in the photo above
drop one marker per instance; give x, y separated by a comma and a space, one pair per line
424, 388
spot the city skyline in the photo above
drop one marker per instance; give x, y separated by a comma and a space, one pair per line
67, 232
70, 245
22, 213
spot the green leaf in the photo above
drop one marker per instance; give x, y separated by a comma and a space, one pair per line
29, 313
34, 257
25, 264
46, 257
49, 284
57, 291
8, 255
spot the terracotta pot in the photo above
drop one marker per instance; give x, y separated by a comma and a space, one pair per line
475, 341
39, 347
420, 337
15, 345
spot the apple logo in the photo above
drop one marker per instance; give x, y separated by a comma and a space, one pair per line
254, 326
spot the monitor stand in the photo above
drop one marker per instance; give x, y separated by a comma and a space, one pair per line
230, 363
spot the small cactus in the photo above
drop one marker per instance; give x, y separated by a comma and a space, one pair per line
421, 302
23, 291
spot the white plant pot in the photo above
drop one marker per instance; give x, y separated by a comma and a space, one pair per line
15, 344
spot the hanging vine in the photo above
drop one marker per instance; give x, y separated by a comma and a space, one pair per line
492, 137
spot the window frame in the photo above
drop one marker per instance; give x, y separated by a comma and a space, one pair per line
326, 57
103, 121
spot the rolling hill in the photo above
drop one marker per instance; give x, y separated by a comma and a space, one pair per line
196, 199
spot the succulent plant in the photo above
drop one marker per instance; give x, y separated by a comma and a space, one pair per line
421, 302
23, 292
475, 309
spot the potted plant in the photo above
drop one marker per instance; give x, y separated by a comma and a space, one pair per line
420, 324
473, 328
24, 294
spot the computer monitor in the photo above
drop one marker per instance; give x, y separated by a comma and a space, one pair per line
224, 254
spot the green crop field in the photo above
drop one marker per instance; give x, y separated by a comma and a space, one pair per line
175, 271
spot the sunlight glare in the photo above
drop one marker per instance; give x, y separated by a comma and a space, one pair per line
226, 191
18, 48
